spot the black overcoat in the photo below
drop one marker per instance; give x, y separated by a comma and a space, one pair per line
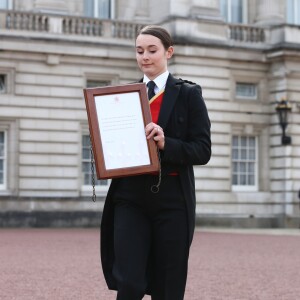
184, 119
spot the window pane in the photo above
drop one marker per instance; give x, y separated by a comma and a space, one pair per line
237, 11
243, 180
244, 141
290, 11
103, 9
86, 168
235, 153
223, 9
244, 154
248, 90
251, 167
235, 141
3, 4
235, 179
85, 141
235, 167
1, 171
2, 83
242, 167
297, 10
89, 8
251, 180
252, 154
1, 145
86, 153
2, 157
252, 142
87, 180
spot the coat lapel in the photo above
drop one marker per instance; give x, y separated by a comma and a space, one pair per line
171, 93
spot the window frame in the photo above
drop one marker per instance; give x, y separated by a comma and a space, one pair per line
228, 17
10, 127
295, 12
252, 78
96, 9
4, 91
3, 186
8, 74
246, 188
242, 97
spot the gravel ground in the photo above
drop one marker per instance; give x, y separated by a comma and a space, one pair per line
63, 264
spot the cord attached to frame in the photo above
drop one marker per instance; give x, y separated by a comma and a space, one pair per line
155, 188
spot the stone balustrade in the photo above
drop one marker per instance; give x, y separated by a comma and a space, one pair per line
25, 21
246, 33
115, 29
69, 25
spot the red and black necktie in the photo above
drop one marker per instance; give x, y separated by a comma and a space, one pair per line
151, 86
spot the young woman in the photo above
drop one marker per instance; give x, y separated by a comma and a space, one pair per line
146, 234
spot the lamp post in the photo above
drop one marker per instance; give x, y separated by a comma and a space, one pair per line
283, 108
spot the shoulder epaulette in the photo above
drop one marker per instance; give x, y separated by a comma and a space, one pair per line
182, 81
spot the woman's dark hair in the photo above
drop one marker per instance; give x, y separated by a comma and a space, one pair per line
158, 32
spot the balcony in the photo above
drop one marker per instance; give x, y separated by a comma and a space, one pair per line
66, 27
246, 33
30, 22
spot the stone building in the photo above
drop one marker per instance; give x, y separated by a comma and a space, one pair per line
245, 55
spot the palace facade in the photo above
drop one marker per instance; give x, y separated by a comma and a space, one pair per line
245, 55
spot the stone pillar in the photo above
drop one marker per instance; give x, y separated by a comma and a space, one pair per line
205, 9
270, 12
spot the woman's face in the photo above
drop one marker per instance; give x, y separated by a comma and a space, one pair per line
151, 55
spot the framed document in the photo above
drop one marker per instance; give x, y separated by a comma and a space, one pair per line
117, 117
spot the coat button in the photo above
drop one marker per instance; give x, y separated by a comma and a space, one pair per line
180, 119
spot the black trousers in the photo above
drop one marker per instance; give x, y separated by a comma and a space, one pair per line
150, 235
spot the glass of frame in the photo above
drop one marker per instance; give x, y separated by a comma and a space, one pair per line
117, 117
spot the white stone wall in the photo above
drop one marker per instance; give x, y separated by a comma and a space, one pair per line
44, 110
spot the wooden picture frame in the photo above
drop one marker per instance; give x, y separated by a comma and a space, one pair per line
117, 117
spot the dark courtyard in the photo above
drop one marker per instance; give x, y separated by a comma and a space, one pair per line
64, 264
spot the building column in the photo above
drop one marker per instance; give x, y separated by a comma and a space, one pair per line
270, 12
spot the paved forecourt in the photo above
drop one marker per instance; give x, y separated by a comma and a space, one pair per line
224, 265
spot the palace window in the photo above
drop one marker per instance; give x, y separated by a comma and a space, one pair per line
246, 90
2, 160
90, 83
3, 88
5, 4
234, 11
244, 163
102, 9
293, 12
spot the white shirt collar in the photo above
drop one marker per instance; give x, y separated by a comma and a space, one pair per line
160, 81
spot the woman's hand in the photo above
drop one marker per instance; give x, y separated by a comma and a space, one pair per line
154, 131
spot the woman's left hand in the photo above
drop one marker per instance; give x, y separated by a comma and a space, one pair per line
154, 131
